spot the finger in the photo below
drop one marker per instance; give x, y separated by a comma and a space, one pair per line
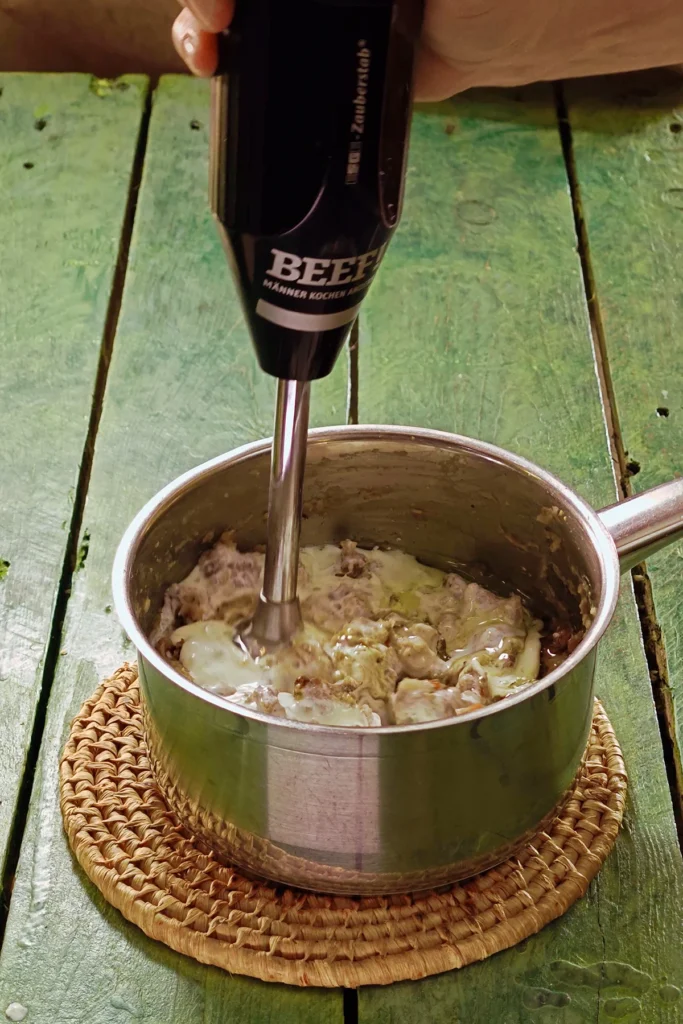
435, 79
212, 15
197, 47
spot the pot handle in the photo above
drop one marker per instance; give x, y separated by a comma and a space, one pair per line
645, 523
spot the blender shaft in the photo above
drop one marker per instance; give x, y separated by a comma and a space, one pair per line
278, 614
286, 483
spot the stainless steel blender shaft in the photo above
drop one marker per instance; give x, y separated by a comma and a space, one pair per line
278, 614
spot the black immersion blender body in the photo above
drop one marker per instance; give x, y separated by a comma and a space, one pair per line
310, 121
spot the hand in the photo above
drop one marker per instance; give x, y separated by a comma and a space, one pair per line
195, 40
436, 78
194, 33
467, 43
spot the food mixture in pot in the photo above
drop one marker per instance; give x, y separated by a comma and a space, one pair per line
386, 640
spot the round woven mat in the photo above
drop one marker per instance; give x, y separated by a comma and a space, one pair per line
136, 852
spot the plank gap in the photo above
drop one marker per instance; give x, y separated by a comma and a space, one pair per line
114, 307
350, 1005
73, 550
607, 397
649, 626
655, 653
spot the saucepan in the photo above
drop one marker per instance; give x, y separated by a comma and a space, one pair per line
390, 809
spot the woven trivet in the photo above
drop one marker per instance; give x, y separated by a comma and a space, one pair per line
136, 852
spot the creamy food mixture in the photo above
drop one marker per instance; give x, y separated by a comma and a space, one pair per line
386, 640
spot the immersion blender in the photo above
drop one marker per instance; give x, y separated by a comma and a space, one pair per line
310, 120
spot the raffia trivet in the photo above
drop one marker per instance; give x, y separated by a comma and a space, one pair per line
134, 850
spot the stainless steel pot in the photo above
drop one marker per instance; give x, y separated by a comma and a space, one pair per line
396, 808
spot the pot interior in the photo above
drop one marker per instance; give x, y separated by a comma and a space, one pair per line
451, 503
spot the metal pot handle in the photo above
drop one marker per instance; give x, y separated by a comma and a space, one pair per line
645, 523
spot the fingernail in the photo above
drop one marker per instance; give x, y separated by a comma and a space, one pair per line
189, 43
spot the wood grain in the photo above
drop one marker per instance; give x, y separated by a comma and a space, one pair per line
66, 154
482, 282
478, 324
183, 386
629, 166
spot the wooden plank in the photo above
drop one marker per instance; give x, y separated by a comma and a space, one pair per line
629, 165
66, 153
183, 386
478, 324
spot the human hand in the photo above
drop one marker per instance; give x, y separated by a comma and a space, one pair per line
467, 43
195, 28
194, 33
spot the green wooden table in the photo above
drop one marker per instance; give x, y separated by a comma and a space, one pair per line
533, 297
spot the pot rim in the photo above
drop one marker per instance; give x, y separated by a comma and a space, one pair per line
593, 527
